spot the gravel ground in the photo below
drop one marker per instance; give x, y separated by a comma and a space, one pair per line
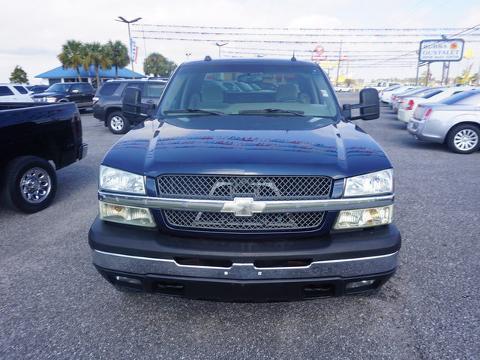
53, 304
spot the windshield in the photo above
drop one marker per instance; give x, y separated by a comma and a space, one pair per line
460, 97
59, 88
249, 89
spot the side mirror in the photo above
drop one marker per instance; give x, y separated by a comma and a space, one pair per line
369, 106
131, 102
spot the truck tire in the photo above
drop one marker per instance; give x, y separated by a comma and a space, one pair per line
464, 138
117, 123
30, 184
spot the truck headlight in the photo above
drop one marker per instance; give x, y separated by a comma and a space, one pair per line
118, 180
380, 182
129, 215
361, 218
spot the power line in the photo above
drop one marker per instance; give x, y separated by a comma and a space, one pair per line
229, 33
302, 28
229, 40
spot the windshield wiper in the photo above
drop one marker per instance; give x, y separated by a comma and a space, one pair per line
272, 111
194, 111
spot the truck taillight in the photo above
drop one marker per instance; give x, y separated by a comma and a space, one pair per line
427, 114
410, 104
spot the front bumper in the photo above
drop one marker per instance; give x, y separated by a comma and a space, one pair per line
243, 269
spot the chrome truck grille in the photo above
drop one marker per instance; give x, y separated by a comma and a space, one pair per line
212, 187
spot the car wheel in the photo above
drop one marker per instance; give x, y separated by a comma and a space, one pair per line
30, 184
464, 139
117, 123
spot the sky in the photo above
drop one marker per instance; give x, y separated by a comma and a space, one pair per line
32, 32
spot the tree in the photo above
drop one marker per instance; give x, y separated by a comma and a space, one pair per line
18, 75
158, 65
118, 54
96, 54
467, 77
72, 56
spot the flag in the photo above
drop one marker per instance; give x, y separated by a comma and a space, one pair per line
133, 51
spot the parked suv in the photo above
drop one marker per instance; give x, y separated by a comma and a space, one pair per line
256, 195
108, 101
14, 93
80, 93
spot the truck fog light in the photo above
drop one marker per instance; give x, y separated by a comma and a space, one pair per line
360, 218
359, 284
126, 214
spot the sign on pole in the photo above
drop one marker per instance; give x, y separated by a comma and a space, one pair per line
441, 50
318, 54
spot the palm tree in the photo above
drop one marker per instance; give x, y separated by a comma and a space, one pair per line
71, 56
95, 54
118, 54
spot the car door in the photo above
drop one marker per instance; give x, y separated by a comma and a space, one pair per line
75, 94
153, 92
87, 92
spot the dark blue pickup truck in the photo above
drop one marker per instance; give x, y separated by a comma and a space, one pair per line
250, 183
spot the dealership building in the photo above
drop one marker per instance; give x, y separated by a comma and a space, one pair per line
61, 74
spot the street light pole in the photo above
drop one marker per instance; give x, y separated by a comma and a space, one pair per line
220, 48
128, 22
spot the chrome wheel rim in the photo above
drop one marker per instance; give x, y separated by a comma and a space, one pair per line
465, 139
117, 123
35, 185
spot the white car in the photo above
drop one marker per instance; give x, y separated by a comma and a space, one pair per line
343, 89
386, 95
454, 121
14, 93
409, 104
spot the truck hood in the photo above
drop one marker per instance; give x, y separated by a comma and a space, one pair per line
241, 145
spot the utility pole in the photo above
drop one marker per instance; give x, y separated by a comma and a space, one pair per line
128, 22
220, 48
427, 78
338, 65
418, 70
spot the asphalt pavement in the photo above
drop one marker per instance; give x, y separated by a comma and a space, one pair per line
54, 305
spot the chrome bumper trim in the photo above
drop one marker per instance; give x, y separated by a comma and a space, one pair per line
253, 206
247, 271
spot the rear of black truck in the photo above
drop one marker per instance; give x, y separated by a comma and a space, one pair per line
36, 139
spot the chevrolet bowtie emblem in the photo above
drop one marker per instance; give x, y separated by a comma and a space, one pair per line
243, 206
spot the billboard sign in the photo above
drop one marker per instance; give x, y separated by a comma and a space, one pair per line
441, 50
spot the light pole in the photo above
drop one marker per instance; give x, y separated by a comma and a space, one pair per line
128, 22
220, 48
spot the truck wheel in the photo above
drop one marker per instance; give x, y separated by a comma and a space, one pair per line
117, 123
464, 139
30, 184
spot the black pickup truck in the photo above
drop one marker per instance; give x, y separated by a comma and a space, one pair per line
260, 192
32, 138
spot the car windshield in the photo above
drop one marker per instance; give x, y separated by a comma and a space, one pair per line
249, 89
59, 88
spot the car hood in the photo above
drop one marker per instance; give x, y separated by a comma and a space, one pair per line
280, 145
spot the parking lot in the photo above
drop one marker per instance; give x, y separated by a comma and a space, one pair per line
53, 304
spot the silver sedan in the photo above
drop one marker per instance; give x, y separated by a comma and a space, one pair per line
455, 122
